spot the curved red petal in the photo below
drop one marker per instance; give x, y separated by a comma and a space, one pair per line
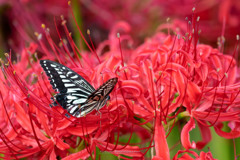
185, 137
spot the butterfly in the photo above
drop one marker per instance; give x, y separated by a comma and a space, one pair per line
75, 94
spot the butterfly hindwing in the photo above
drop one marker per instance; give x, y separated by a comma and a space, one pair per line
98, 98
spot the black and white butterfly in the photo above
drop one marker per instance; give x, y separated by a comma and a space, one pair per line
75, 94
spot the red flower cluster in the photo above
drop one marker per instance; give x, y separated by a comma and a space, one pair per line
20, 18
219, 18
162, 81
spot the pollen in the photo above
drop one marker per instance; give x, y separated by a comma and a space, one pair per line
118, 35
154, 79
160, 73
60, 44
43, 26
198, 18
36, 34
168, 19
35, 55
6, 54
64, 22
226, 75
88, 31
7, 64
39, 36
193, 9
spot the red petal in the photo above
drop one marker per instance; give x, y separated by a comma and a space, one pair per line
83, 154
213, 116
157, 158
161, 146
185, 156
132, 151
228, 135
206, 156
53, 155
185, 138
61, 145
132, 87
193, 92
206, 135
24, 121
202, 71
81, 131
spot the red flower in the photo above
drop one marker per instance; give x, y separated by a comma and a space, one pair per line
164, 80
22, 18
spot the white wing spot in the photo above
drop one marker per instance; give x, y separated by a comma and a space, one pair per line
69, 85
77, 89
73, 109
75, 76
62, 76
69, 101
53, 65
69, 73
71, 97
78, 101
66, 80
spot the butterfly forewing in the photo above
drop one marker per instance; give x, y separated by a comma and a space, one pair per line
73, 89
76, 95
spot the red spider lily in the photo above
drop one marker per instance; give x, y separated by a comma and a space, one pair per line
165, 79
219, 18
185, 155
22, 18
37, 131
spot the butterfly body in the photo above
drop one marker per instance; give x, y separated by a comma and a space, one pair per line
76, 95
